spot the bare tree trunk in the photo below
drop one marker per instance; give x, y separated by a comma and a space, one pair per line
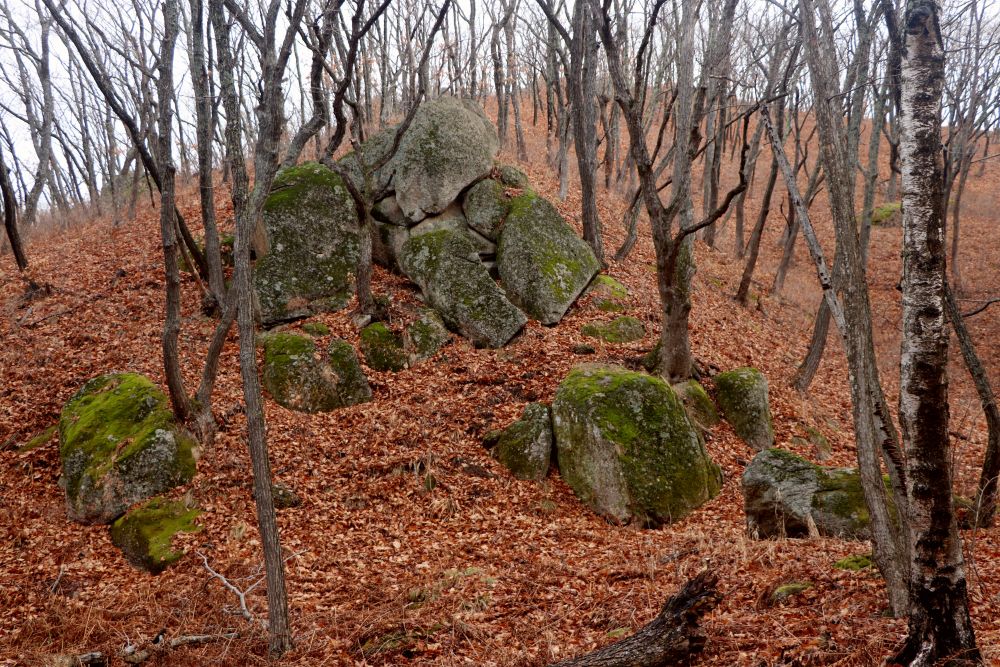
172, 311
986, 498
940, 627
10, 216
743, 293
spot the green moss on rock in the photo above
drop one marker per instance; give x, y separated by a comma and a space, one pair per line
791, 589
301, 378
511, 176
788, 496
383, 348
699, 404
619, 330
145, 534
525, 447
855, 563
743, 397
119, 444
316, 329
544, 266
455, 283
425, 336
313, 244
486, 207
625, 445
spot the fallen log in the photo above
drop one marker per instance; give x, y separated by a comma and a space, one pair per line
671, 638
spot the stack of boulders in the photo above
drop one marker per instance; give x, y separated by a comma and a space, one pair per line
452, 220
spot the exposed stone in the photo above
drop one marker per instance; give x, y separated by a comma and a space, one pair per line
284, 496
743, 397
300, 377
316, 329
425, 336
454, 282
146, 533
449, 145
525, 447
313, 244
619, 330
626, 446
383, 348
788, 496
544, 265
486, 206
387, 243
699, 404
119, 444
511, 176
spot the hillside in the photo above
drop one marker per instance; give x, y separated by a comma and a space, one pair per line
412, 546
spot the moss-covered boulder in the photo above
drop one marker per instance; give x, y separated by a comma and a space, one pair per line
607, 294
511, 176
699, 404
525, 447
146, 533
543, 264
383, 348
119, 444
619, 330
313, 245
446, 267
423, 337
742, 395
626, 446
787, 496
300, 377
449, 145
486, 205
356, 164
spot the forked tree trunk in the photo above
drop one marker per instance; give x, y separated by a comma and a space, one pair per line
940, 627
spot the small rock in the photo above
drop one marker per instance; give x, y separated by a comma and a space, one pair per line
144, 534
525, 447
383, 349
284, 496
743, 396
623, 329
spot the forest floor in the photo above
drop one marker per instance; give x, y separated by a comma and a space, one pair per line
412, 546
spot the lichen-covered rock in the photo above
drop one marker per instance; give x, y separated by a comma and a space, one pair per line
698, 403
511, 176
372, 150
543, 264
313, 245
425, 336
451, 218
446, 267
525, 447
284, 496
743, 397
145, 534
383, 348
449, 145
387, 210
607, 294
626, 446
619, 330
119, 444
486, 206
300, 377
787, 496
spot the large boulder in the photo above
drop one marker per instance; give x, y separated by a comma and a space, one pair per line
449, 145
146, 533
699, 404
486, 206
525, 447
543, 264
119, 444
372, 150
743, 397
313, 245
626, 446
446, 267
788, 496
300, 377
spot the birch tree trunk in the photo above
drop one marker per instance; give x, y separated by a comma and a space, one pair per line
940, 627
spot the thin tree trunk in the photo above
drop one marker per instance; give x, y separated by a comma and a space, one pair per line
940, 627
